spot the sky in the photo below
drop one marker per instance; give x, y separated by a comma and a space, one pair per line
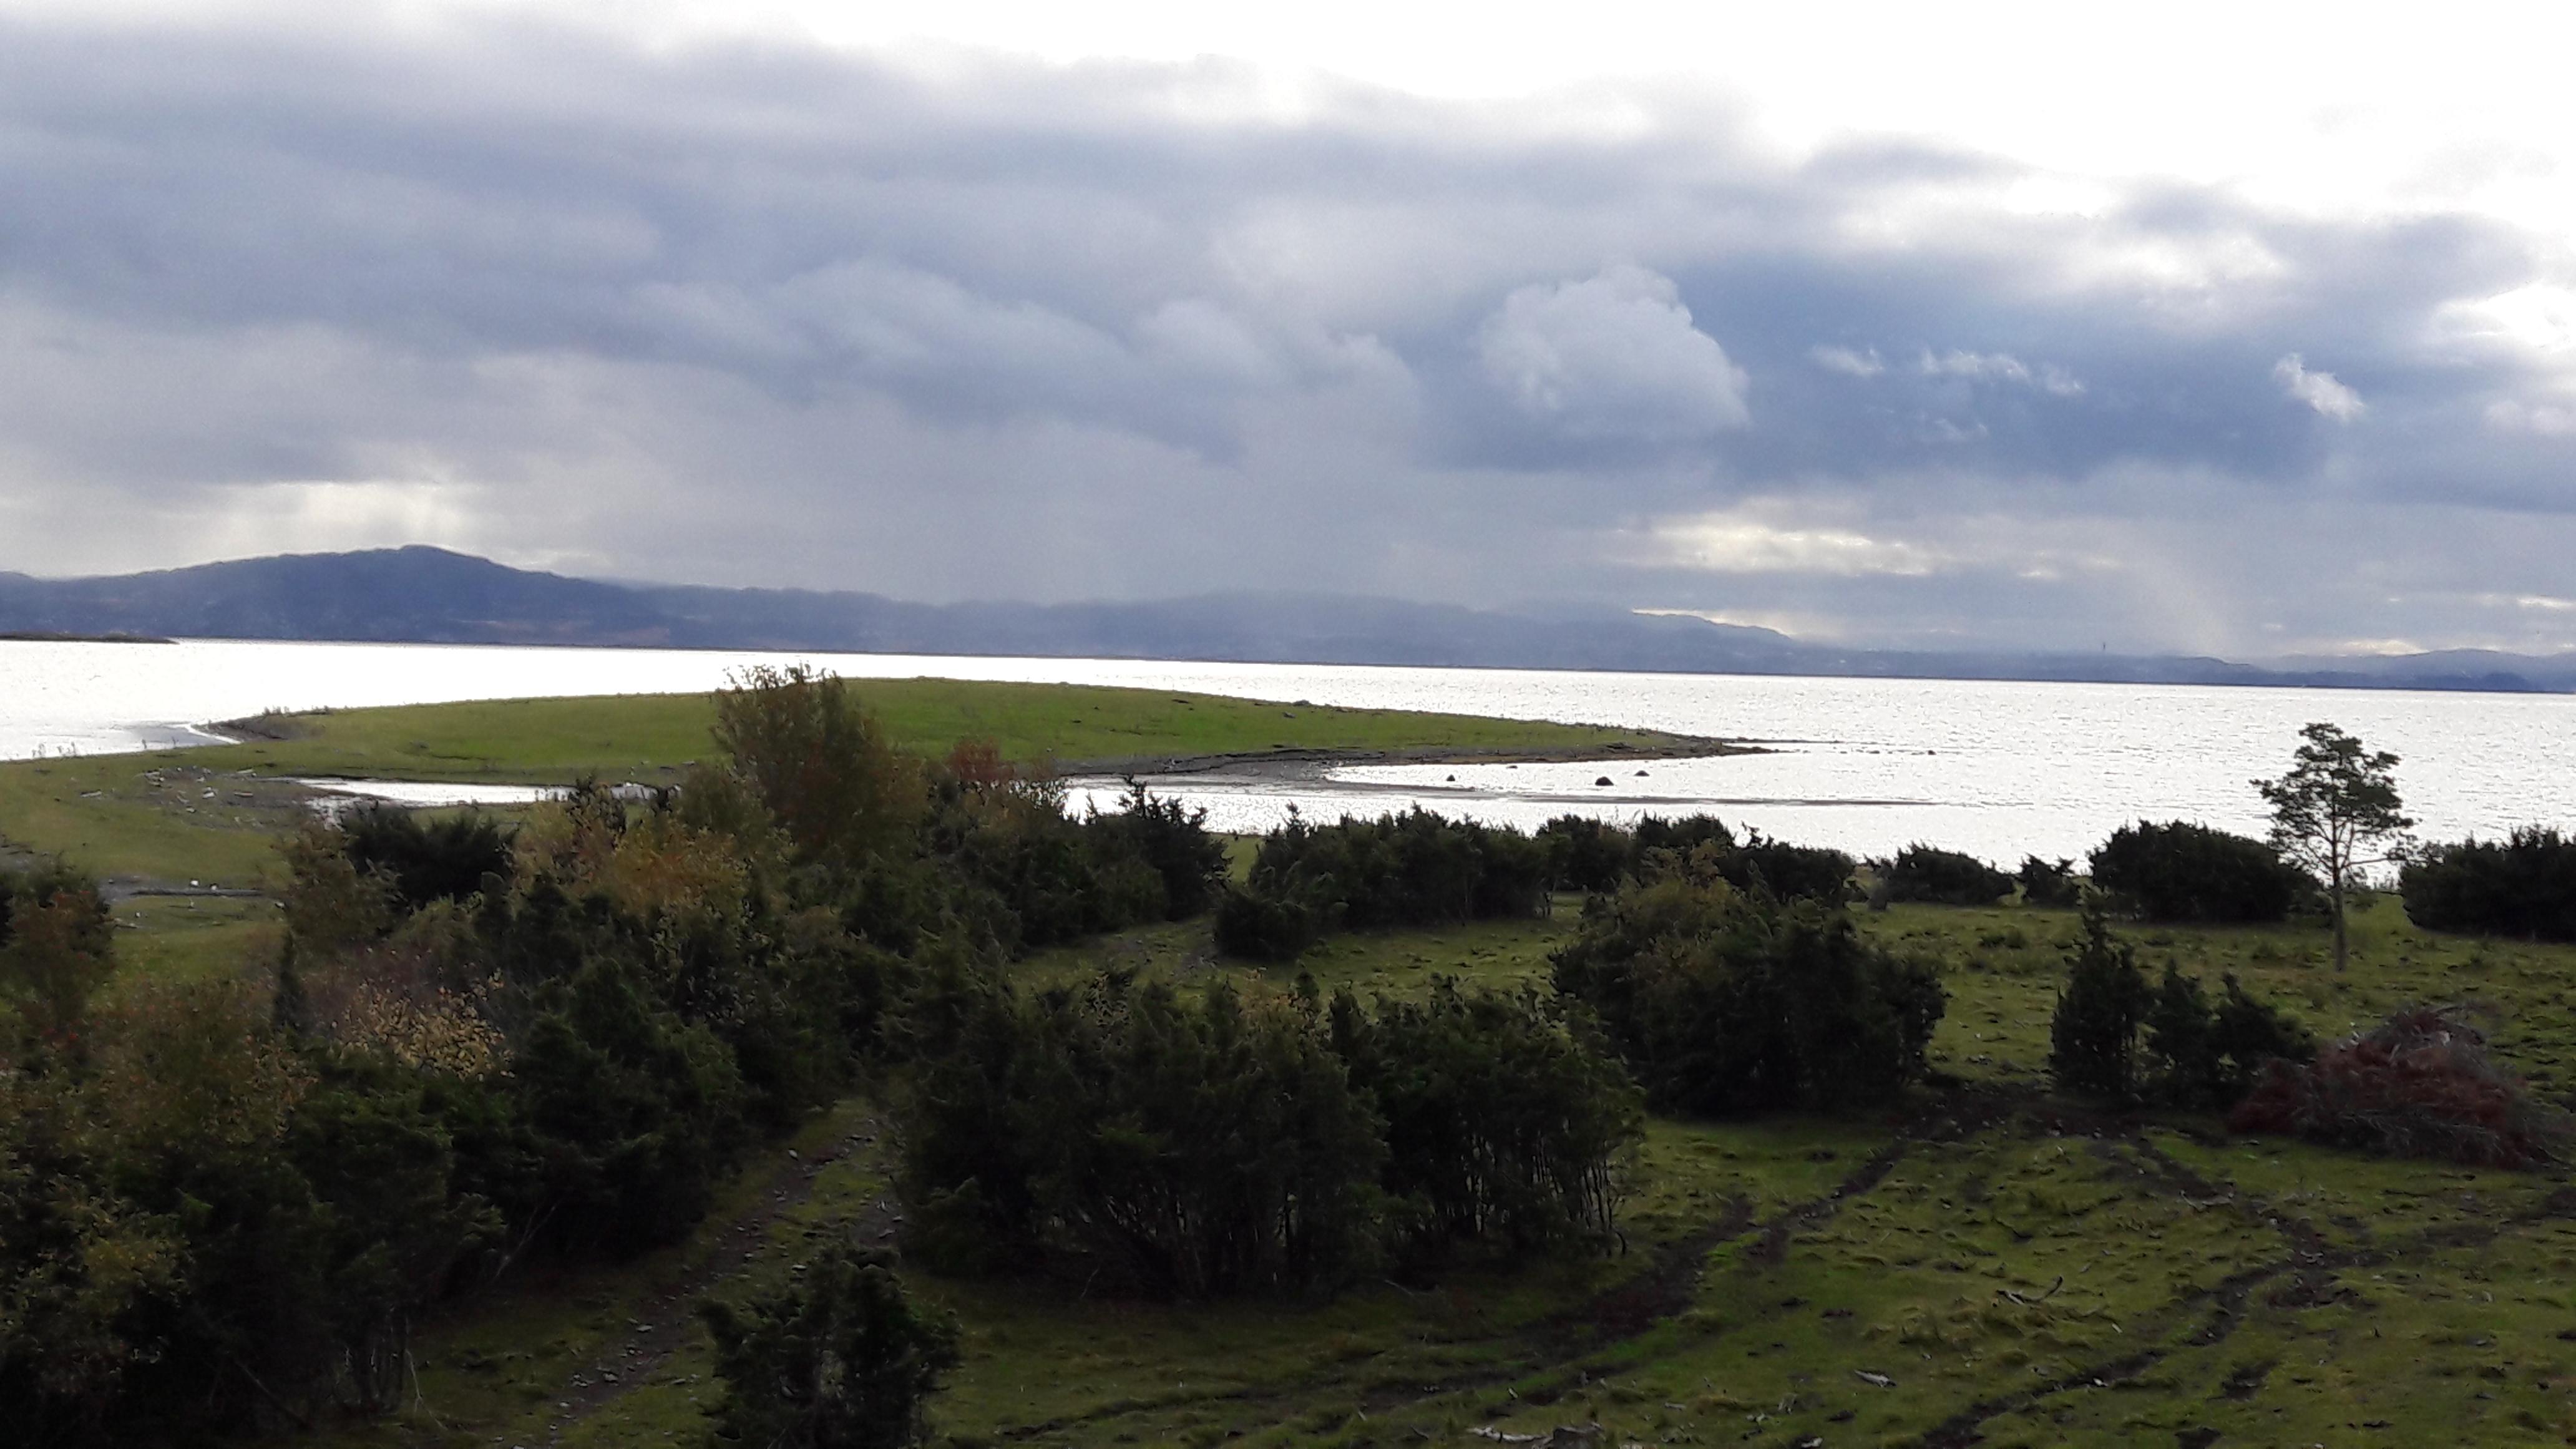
2231, 330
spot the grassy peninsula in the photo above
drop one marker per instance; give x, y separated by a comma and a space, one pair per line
209, 814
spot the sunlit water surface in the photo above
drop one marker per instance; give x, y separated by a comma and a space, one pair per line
2000, 769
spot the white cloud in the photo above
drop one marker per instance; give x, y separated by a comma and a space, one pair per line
1734, 543
2541, 316
2319, 390
2048, 377
2550, 420
1846, 361
1612, 356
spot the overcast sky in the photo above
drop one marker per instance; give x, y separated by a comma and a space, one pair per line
1986, 325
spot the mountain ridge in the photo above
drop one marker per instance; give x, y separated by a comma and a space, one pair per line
422, 594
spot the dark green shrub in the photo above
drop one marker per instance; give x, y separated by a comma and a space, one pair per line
1414, 869
2185, 872
1943, 878
2524, 885
2093, 1035
1170, 839
2049, 883
1202, 1148
369, 1141
56, 949
2207, 1056
1792, 872
1259, 926
840, 1358
636, 1112
1147, 1141
1724, 1001
1035, 877
1174, 1147
1757, 863
1505, 1118
1585, 854
968, 1163
438, 860
1679, 837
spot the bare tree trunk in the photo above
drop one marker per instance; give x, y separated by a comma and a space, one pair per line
2337, 903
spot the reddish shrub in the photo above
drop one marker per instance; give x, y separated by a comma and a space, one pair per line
2418, 1085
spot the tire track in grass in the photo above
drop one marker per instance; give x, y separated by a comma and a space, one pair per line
2310, 1264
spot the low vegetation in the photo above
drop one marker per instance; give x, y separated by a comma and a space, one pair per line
2180, 871
1944, 878
2523, 886
499, 1102
1725, 1001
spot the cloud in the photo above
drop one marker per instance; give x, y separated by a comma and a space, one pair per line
1735, 542
1612, 356
976, 326
2549, 420
2000, 367
2319, 390
1846, 361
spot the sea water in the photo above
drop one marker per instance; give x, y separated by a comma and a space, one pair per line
1868, 765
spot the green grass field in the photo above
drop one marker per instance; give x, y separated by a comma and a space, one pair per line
644, 736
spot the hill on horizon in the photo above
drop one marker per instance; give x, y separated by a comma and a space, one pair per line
422, 594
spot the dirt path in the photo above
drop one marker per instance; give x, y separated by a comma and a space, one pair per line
668, 1308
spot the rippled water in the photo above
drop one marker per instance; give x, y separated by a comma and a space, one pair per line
1868, 765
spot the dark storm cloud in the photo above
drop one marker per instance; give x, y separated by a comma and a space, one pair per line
768, 314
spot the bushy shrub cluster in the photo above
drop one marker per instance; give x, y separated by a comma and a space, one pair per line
1222, 1144
1943, 878
425, 861
1594, 856
841, 1358
222, 1209
2113, 1036
2048, 883
1505, 1119
2418, 1085
1003, 853
1585, 854
1756, 863
1413, 869
1723, 1000
2524, 885
2185, 872
56, 948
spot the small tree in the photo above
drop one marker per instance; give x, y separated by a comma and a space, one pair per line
2093, 1036
839, 1360
2334, 812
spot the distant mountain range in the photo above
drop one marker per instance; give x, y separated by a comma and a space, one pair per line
430, 595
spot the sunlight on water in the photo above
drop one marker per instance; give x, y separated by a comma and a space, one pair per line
1868, 765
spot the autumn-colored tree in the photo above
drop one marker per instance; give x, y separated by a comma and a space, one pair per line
820, 763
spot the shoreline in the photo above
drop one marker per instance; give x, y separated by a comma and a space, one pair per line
1294, 764
53, 636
